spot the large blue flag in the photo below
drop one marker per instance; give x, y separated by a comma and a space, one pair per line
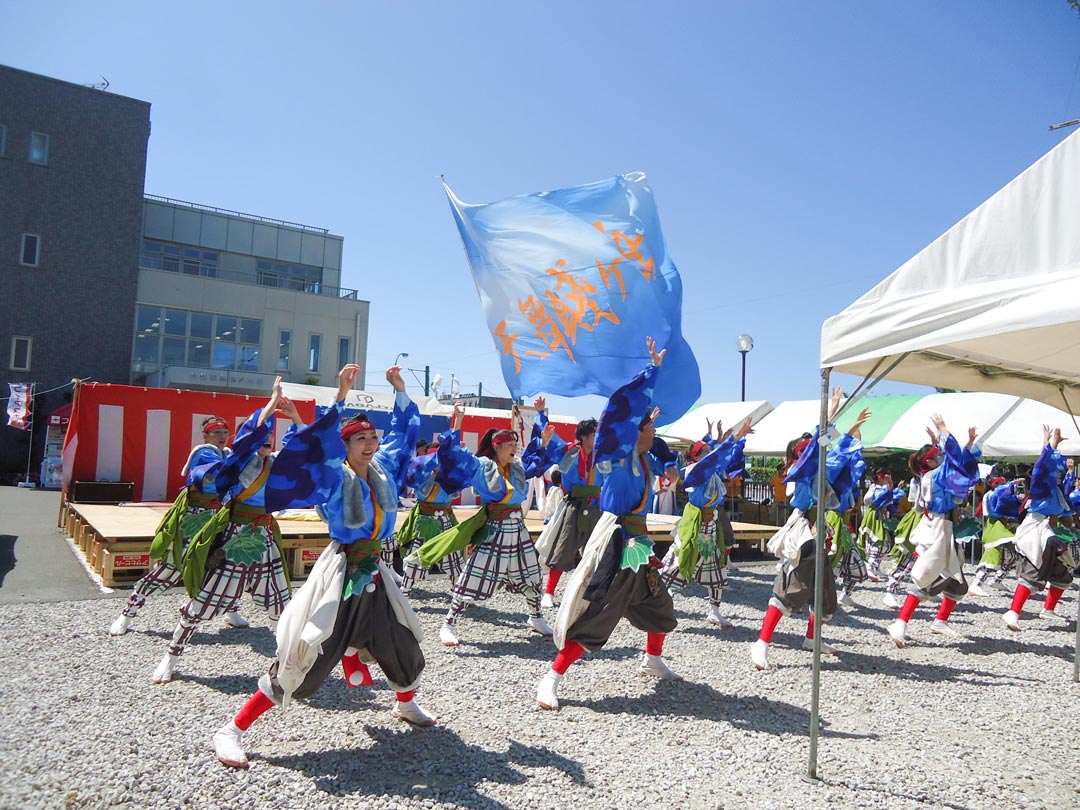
572, 282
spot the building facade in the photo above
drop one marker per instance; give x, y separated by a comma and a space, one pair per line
72, 167
107, 283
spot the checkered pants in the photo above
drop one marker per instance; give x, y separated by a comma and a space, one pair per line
505, 557
710, 566
414, 572
900, 573
225, 585
852, 569
162, 575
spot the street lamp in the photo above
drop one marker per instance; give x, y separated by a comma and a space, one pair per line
397, 360
743, 344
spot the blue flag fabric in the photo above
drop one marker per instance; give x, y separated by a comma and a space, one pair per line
572, 282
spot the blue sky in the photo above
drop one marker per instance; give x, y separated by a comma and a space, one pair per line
799, 153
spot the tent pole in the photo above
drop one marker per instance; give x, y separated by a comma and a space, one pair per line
819, 578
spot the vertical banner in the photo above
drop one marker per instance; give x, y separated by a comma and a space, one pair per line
18, 409
572, 282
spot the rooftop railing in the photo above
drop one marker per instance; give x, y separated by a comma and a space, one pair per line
226, 212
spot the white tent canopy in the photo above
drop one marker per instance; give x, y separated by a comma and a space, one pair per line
787, 421
691, 425
991, 305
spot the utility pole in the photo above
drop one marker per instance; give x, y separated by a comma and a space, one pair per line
480, 395
427, 381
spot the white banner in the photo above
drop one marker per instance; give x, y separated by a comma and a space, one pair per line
18, 410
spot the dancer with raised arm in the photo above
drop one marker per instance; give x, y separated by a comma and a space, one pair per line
350, 608
948, 472
795, 544
238, 551
619, 575
699, 553
1045, 559
193, 507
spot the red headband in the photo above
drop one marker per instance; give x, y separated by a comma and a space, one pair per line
697, 447
933, 452
214, 425
359, 426
502, 437
801, 446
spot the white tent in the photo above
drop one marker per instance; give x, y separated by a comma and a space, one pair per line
991, 305
786, 421
691, 425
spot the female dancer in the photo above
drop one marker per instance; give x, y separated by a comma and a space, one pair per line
563, 539
193, 507
350, 606
794, 543
619, 575
1001, 513
239, 549
948, 472
1044, 557
879, 505
503, 551
699, 553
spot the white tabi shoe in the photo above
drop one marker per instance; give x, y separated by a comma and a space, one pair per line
166, 669
1012, 620
827, 649
234, 619
546, 601
713, 617
759, 654
977, 590
890, 601
654, 666
411, 712
1053, 616
227, 746
945, 629
731, 567
447, 636
120, 626
547, 691
898, 633
847, 601
538, 625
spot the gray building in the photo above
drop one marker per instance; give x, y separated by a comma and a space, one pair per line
107, 283
72, 166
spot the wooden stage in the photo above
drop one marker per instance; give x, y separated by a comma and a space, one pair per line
115, 539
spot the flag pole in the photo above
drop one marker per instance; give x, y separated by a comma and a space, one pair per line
30, 449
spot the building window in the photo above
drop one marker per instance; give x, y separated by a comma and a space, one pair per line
289, 276
177, 337
314, 349
343, 354
284, 347
39, 148
176, 259
30, 250
20, 353
3, 140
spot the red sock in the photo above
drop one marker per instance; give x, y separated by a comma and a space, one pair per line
352, 664
1019, 597
1052, 597
945, 610
567, 655
772, 618
810, 628
256, 706
654, 644
552, 581
908, 610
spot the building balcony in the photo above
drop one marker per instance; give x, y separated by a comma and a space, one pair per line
211, 379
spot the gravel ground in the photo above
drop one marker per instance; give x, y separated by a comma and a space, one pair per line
991, 722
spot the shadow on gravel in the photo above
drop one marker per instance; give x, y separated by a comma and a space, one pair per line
260, 639
921, 670
451, 769
988, 645
739, 634
701, 701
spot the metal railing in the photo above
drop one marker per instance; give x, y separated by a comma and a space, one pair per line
225, 211
259, 279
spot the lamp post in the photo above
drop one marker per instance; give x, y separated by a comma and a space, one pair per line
397, 360
743, 344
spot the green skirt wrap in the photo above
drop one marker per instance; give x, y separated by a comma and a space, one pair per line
904, 528
168, 535
420, 522
688, 531
193, 565
842, 540
456, 538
